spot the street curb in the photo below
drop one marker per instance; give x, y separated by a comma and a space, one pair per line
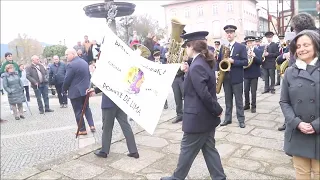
48, 165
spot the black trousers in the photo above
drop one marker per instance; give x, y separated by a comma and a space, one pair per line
177, 87
26, 88
250, 85
61, 96
269, 74
231, 90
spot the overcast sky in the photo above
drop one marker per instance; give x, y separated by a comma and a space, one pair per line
53, 21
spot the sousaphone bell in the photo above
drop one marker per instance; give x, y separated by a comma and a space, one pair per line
142, 50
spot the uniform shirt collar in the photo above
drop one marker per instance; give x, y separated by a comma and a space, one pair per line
232, 43
195, 56
302, 65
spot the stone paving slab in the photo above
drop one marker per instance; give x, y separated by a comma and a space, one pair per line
254, 152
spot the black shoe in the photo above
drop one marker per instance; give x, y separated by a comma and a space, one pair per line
61, 105
165, 106
41, 112
100, 154
246, 107
65, 105
282, 128
253, 110
17, 118
178, 119
134, 155
277, 84
22, 117
273, 91
265, 92
242, 125
225, 123
49, 110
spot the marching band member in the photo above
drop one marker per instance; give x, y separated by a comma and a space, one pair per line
259, 46
233, 80
251, 74
201, 111
300, 104
156, 56
271, 52
282, 47
178, 91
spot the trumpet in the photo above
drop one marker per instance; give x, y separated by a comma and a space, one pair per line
250, 57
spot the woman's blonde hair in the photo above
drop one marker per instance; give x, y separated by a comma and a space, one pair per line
8, 67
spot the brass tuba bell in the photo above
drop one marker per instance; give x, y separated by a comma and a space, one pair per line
175, 51
283, 67
144, 51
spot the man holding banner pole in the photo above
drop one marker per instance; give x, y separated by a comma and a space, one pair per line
110, 111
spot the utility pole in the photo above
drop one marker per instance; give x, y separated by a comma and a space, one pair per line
282, 28
268, 15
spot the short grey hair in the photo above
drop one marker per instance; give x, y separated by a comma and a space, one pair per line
34, 56
55, 56
313, 35
302, 21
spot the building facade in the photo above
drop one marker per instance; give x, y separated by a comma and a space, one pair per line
212, 16
263, 26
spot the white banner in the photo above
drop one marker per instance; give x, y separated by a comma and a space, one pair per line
138, 86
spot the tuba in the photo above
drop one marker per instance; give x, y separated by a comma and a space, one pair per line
277, 65
283, 67
224, 66
175, 51
143, 50
250, 58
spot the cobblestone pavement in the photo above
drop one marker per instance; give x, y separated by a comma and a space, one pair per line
254, 152
40, 138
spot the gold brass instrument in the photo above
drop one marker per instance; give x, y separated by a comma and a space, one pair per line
175, 51
277, 65
224, 66
144, 51
283, 67
250, 58
264, 51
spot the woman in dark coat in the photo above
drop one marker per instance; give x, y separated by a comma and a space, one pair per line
14, 87
300, 104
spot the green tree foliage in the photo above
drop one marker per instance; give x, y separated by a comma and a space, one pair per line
58, 50
23, 47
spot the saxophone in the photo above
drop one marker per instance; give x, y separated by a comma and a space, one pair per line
175, 51
224, 66
250, 58
264, 51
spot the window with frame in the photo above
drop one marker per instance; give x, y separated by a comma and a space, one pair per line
230, 7
200, 11
215, 9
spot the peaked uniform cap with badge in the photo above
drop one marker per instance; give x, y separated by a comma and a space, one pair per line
156, 53
217, 42
249, 38
199, 35
281, 36
232, 28
268, 34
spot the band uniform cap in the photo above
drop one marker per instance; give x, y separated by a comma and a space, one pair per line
156, 53
268, 34
249, 38
199, 35
230, 28
281, 37
217, 42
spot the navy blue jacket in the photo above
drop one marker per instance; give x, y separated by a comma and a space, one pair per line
270, 60
57, 73
106, 102
201, 108
261, 48
254, 70
77, 79
280, 58
240, 57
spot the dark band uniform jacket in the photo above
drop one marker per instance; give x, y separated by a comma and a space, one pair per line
280, 58
270, 60
77, 79
201, 109
240, 57
254, 70
300, 103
